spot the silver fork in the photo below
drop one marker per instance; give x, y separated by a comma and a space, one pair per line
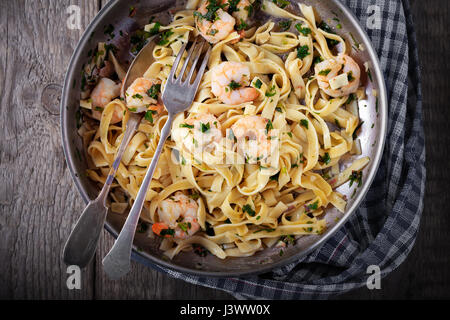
177, 97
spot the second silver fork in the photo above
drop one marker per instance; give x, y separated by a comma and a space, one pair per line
178, 95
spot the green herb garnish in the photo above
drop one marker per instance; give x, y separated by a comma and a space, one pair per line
281, 3
185, 125
154, 91
241, 26
325, 159
234, 85
302, 52
205, 127
356, 176
165, 38
269, 126
324, 72
149, 115
304, 123
168, 232
248, 209
305, 31
271, 92
285, 25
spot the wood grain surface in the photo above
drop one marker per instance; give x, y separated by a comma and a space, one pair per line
39, 204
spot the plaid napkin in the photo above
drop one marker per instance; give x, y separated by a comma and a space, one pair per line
383, 230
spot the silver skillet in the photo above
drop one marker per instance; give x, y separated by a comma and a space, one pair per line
374, 111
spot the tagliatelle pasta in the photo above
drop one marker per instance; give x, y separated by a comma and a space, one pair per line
257, 172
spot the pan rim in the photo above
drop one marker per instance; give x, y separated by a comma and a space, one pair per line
155, 262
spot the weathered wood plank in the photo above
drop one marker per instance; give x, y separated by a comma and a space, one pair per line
38, 200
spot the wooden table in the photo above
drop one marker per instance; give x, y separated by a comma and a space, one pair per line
39, 203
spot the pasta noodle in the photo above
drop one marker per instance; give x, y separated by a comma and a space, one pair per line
242, 200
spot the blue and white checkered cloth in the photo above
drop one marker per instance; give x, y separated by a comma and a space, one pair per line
383, 230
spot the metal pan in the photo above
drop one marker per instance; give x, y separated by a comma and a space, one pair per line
146, 250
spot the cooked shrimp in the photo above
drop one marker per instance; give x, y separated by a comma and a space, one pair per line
213, 23
254, 139
104, 92
229, 81
328, 70
178, 215
143, 95
202, 132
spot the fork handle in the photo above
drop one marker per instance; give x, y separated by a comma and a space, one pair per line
81, 245
117, 262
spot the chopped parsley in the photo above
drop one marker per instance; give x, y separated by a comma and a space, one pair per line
248, 209
257, 83
271, 92
205, 127
139, 38
337, 122
302, 52
325, 27
233, 6
154, 90
312, 206
285, 25
324, 72
155, 29
325, 159
185, 125
149, 115
241, 26
281, 3
351, 97
289, 239
350, 76
269, 126
317, 59
184, 226
211, 14
137, 96
165, 37
304, 31
249, 9
304, 123
109, 30
234, 85
356, 176
168, 232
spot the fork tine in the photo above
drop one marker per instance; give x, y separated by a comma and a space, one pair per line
176, 63
186, 62
202, 69
194, 63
